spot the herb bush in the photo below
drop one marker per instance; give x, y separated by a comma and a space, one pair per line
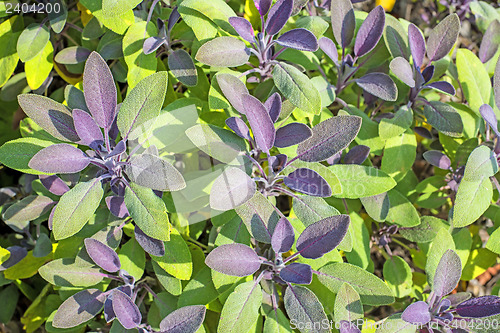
249, 166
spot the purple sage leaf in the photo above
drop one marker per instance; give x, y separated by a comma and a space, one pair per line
173, 18
263, 6
329, 48
59, 158
126, 311
278, 16
116, 206
343, 21
417, 313
232, 188
357, 155
479, 307
448, 273
428, 73
442, 86
260, 122
323, 236
243, 28
273, 106
239, 127
155, 173
297, 273
379, 85
152, 44
496, 84
458, 298
309, 182
292, 134
283, 236
329, 137
54, 184
417, 45
79, 308
299, 39
489, 116
233, 259
370, 32
490, 42
99, 90
154, 247
443, 37
87, 129
438, 159
104, 256
278, 162
233, 89
403, 71
184, 320
53, 117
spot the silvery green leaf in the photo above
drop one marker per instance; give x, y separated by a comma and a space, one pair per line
27, 209
303, 306
444, 118
443, 37
371, 289
403, 71
140, 109
155, 173
79, 308
241, 309
231, 189
32, 41
297, 88
184, 320
348, 305
72, 55
70, 273
148, 211
182, 66
223, 51
76, 207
